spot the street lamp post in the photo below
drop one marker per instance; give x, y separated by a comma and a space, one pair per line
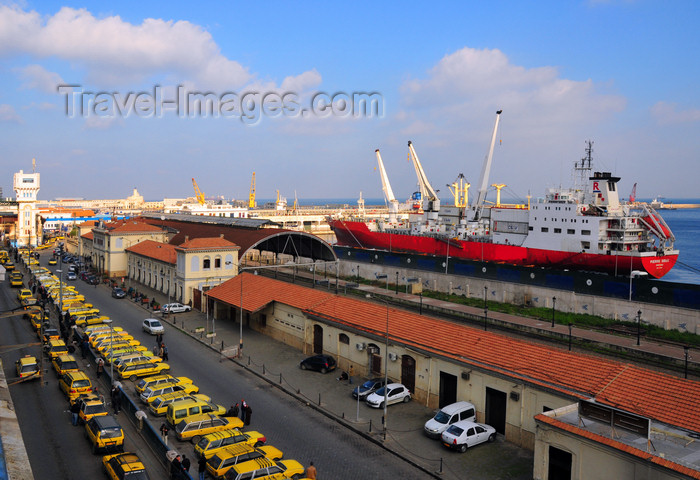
554, 304
486, 308
397, 283
639, 325
111, 346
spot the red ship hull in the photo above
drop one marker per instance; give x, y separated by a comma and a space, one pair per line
358, 235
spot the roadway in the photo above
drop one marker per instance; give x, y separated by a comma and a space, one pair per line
300, 432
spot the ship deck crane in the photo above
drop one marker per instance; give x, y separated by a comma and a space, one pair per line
251, 195
460, 191
478, 203
431, 202
388, 192
198, 193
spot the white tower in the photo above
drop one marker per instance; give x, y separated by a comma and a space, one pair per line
26, 187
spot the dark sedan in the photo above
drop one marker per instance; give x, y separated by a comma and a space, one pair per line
118, 292
368, 387
320, 363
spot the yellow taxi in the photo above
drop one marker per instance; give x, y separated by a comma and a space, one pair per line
154, 380
24, 293
53, 261
9, 265
90, 319
96, 329
124, 466
223, 461
16, 279
180, 411
74, 384
35, 319
136, 357
27, 367
151, 393
109, 335
106, 343
159, 405
64, 363
265, 469
117, 352
54, 348
133, 371
218, 441
104, 433
194, 427
91, 406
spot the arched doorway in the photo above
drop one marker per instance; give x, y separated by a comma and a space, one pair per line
408, 372
318, 339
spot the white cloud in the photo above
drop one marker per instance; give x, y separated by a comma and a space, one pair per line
115, 52
95, 122
668, 113
8, 114
37, 77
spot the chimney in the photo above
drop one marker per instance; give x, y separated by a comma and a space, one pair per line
221, 235
187, 237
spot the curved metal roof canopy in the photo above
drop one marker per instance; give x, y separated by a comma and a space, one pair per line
276, 240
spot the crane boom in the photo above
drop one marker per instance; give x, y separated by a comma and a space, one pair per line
251, 195
198, 193
485, 171
428, 194
388, 192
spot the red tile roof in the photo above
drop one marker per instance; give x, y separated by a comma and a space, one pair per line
665, 398
88, 236
208, 244
619, 446
163, 252
130, 226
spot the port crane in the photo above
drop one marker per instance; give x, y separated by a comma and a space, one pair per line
478, 204
198, 193
251, 195
431, 202
388, 192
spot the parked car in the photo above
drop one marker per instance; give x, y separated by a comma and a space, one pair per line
53, 261
27, 367
396, 393
368, 387
118, 292
449, 415
175, 308
104, 433
71, 276
124, 465
210, 444
153, 326
196, 426
223, 461
465, 434
320, 363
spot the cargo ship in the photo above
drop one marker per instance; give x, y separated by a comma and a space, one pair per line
586, 227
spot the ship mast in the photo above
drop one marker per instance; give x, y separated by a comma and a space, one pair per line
388, 192
485, 171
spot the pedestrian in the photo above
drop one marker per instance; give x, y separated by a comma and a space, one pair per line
84, 347
164, 433
164, 350
185, 463
311, 471
116, 399
233, 411
159, 339
100, 367
243, 407
202, 467
248, 413
74, 410
351, 373
176, 468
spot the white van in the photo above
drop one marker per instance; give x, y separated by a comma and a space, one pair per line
448, 415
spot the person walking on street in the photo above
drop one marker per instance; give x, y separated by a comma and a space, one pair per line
100, 367
248, 413
164, 352
243, 408
202, 468
164, 433
233, 411
176, 468
116, 399
185, 463
311, 471
351, 372
74, 410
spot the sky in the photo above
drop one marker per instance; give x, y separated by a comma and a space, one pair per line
107, 97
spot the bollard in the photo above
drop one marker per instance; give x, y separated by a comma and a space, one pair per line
343, 416
263, 369
249, 360
222, 345
440, 464
280, 379
183, 324
370, 425
319, 399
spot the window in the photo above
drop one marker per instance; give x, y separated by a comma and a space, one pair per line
206, 264
217, 262
545, 229
570, 231
557, 230
585, 232
342, 338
